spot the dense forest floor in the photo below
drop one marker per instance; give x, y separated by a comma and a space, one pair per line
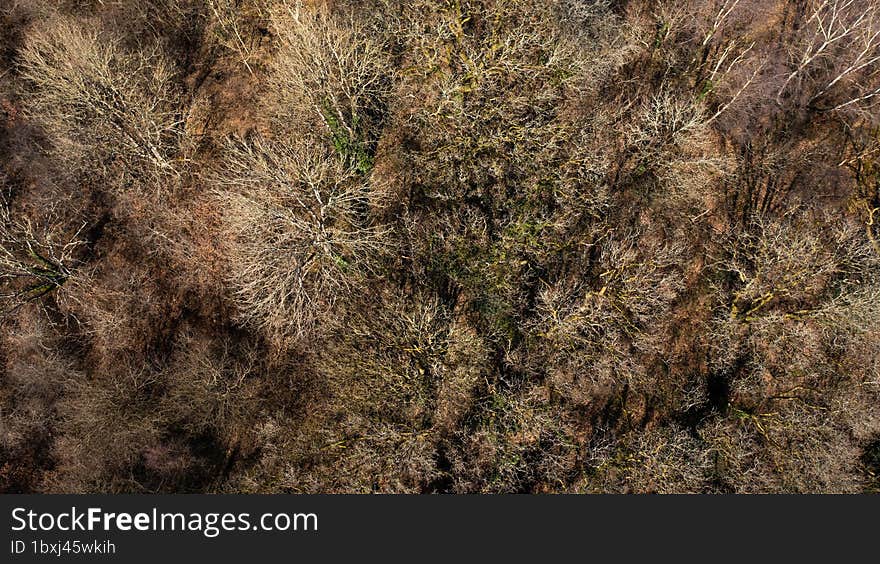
439, 246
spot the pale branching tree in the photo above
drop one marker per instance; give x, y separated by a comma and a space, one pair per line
398, 376
36, 257
303, 235
838, 54
328, 71
663, 460
591, 328
517, 441
790, 447
771, 266
798, 351
233, 30
102, 105
672, 139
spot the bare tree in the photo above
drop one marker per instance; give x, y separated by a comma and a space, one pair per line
328, 71
771, 265
661, 460
398, 374
840, 49
303, 236
790, 447
36, 257
100, 103
234, 31
591, 329
797, 353
519, 442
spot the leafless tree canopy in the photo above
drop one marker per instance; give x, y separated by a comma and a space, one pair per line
440, 246
101, 103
